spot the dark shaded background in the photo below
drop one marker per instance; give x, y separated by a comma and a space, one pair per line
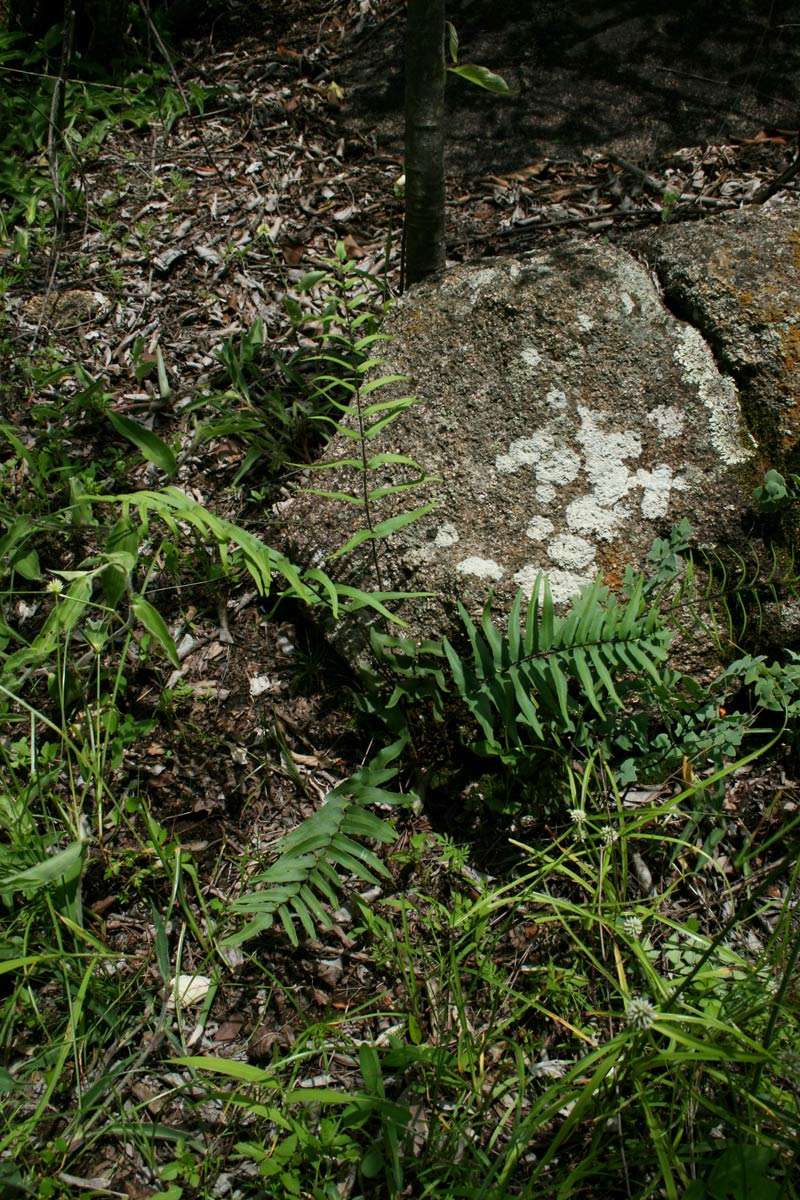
636, 78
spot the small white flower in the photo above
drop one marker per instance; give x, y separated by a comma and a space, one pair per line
609, 835
640, 1013
55, 587
632, 925
578, 818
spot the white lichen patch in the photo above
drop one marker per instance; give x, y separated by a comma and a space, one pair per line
609, 458
419, 556
719, 395
657, 485
531, 356
483, 568
556, 399
586, 515
559, 467
584, 322
446, 535
526, 576
539, 529
564, 585
552, 463
524, 452
667, 419
638, 291
571, 552
604, 455
479, 278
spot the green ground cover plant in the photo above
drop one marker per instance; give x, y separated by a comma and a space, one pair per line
604, 1002
54, 116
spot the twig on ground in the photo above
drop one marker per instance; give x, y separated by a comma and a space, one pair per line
770, 189
648, 181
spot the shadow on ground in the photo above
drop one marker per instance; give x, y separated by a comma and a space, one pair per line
639, 79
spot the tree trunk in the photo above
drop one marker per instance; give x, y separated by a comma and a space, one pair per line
424, 247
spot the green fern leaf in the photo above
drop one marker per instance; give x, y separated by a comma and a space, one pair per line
383, 529
456, 667
531, 640
493, 640
314, 907
585, 676
514, 632
288, 925
299, 906
527, 710
548, 618
305, 877
604, 675
562, 692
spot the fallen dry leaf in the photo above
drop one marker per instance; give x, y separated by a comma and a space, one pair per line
188, 990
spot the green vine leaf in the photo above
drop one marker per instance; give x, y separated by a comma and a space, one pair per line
482, 77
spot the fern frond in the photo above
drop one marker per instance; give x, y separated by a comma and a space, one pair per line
538, 683
731, 593
305, 876
311, 585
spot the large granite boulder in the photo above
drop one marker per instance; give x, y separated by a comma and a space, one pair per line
567, 418
737, 278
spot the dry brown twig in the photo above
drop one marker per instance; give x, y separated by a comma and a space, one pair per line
769, 189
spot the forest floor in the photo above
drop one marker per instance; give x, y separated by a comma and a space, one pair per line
190, 235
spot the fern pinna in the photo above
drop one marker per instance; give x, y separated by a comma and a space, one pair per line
305, 873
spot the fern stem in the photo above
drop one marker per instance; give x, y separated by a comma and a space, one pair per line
362, 442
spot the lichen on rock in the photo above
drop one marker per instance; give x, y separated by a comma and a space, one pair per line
736, 279
566, 418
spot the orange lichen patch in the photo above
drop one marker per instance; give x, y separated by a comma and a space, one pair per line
794, 239
774, 314
790, 346
767, 307
613, 579
613, 565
